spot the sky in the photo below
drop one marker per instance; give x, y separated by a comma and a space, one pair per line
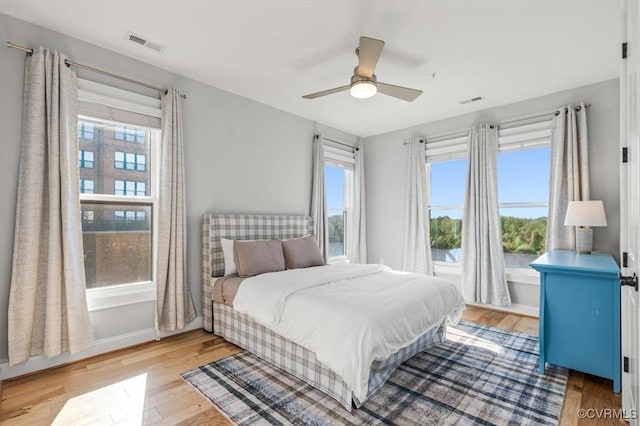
523, 176
334, 184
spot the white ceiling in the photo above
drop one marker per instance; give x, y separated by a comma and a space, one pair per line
276, 51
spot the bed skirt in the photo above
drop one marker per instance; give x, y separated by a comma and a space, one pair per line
243, 331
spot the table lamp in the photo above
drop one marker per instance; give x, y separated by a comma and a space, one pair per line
584, 215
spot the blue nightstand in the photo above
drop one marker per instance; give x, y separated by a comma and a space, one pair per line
580, 313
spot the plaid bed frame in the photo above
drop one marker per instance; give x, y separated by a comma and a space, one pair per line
241, 330
239, 227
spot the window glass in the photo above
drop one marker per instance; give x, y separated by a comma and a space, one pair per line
85, 159
116, 250
335, 180
446, 235
87, 186
129, 134
86, 130
523, 193
126, 157
448, 183
117, 237
523, 176
447, 180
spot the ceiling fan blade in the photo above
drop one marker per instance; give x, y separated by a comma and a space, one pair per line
399, 92
369, 52
326, 92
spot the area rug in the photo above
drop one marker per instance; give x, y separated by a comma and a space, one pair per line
479, 375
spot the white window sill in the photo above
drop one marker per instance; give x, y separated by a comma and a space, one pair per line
519, 275
120, 295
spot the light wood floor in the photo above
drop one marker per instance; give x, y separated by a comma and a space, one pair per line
142, 384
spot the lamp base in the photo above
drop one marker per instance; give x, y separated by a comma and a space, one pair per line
584, 240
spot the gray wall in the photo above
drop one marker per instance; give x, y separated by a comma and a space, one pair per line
386, 162
241, 156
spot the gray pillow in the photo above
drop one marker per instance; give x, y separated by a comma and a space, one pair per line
258, 257
302, 253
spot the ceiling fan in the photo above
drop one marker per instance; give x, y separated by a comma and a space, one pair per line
364, 83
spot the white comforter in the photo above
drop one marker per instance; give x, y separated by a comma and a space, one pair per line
349, 315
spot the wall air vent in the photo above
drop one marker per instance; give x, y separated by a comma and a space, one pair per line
135, 38
468, 101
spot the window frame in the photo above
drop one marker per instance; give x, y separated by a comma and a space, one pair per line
339, 156
136, 292
346, 210
526, 204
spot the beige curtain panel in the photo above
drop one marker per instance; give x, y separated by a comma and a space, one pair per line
175, 308
417, 237
483, 274
358, 239
569, 172
47, 304
319, 198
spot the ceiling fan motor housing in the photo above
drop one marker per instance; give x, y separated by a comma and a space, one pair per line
355, 79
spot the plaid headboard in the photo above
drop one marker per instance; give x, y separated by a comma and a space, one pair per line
240, 227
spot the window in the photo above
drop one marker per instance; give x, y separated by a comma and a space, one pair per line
116, 212
87, 186
334, 177
338, 179
523, 193
130, 161
130, 215
446, 203
129, 134
86, 130
85, 159
128, 187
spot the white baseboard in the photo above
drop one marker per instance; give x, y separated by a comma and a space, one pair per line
101, 346
530, 311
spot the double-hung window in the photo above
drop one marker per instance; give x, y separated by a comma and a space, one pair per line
523, 192
118, 215
86, 130
85, 159
446, 183
524, 166
338, 177
129, 133
130, 161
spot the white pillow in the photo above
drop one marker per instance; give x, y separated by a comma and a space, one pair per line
229, 261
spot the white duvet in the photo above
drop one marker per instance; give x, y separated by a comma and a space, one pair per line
349, 315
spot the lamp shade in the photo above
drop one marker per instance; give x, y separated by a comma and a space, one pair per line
585, 213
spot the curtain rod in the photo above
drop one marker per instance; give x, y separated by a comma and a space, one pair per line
69, 63
355, 148
461, 132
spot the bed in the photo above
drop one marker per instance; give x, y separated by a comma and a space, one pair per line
318, 368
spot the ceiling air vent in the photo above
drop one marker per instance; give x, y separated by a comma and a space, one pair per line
144, 42
468, 101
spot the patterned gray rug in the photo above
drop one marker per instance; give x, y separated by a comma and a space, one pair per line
480, 375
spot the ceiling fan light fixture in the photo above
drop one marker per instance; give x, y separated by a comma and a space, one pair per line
363, 89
